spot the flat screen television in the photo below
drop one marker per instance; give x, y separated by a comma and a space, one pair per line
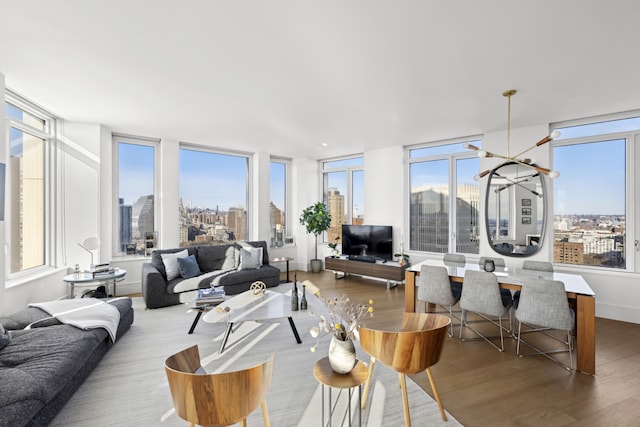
371, 241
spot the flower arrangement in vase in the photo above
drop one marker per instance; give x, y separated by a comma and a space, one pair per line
342, 323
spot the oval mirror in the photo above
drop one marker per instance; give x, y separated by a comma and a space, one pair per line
515, 210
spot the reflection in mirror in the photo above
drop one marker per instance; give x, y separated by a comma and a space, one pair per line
515, 210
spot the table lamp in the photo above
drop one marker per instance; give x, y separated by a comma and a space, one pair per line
90, 244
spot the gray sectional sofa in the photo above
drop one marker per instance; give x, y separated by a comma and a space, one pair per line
222, 265
41, 368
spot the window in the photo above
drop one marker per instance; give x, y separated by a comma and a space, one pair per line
278, 218
214, 194
590, 194
443, 192
31, 136
343, 188
135, 220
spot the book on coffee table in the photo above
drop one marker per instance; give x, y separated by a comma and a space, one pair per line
210, 296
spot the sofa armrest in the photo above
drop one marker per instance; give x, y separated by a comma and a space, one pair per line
154, 286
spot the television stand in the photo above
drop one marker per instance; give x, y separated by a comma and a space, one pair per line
389, 270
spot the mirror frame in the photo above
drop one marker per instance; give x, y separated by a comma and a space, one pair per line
545, 199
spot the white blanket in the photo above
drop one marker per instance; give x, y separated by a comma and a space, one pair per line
83, 313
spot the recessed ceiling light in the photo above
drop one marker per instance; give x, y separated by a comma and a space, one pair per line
324, 144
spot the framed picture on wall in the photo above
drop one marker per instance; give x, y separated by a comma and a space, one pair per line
526, 220
526, 211
526, 202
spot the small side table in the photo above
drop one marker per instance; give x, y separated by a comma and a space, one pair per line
328, 377
87, 279
284, 259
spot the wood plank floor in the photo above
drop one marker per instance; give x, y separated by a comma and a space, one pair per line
482, 387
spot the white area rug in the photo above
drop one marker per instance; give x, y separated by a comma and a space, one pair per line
129, 386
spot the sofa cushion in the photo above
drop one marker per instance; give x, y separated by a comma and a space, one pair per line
42, 360
250, 258
156, 257
170, 262
216, 257
4, 337
189, 267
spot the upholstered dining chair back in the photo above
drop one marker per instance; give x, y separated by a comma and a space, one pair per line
544, 303
454, 258
435, 287
537, 266
415, 347
481, 294
219, 399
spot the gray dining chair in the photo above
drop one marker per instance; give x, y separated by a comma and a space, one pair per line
454, 258
482, 295
543, 303
537, 266
434, 287
532, 266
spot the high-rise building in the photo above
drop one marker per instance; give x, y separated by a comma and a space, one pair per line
126, 218
335, 206
142, 218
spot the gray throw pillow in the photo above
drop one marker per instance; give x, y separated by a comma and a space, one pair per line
5, 338
250, 258
189, 267
171, 263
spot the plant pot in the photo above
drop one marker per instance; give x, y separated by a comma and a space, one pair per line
316, 265
342, 355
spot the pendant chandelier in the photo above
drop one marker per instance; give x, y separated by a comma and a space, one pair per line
518, 157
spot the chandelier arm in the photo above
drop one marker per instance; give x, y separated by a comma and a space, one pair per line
536, 145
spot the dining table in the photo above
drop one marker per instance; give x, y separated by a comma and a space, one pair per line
580, 296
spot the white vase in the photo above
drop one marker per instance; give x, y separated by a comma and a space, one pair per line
342, 355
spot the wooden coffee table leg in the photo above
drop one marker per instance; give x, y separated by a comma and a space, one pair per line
295, 331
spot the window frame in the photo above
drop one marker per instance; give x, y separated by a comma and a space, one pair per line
134, 140
632, 182
249, 173
50, 137
452, 159
349, 169
287, 196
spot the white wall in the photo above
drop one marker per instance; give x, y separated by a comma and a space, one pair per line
384, 195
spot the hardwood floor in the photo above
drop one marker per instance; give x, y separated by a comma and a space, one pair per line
482, 387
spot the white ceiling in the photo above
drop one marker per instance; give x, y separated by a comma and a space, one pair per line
285, 76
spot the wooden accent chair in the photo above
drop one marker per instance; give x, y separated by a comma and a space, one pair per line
221, 399
414, 348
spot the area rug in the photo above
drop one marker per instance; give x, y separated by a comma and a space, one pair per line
129, 386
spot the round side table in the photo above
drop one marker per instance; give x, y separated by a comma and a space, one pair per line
328, 377
283, 259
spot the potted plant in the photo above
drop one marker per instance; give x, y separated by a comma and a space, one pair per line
334, 247
316, 220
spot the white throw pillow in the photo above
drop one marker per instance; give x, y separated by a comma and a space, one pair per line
250, 258
170, 262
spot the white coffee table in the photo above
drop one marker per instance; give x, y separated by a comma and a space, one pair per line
248, 306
